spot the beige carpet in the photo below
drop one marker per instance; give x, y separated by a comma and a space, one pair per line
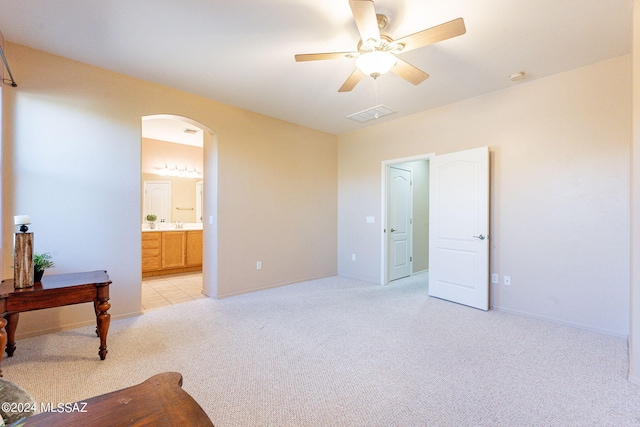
337, 352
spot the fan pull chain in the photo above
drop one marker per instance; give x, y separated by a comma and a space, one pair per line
375, 95
375, 91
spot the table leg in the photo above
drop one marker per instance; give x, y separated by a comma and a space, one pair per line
95, 308
3, 338
103, 321
12, 325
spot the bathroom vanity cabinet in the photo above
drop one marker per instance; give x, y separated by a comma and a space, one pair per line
171, 251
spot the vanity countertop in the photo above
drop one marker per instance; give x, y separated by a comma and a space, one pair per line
171, 227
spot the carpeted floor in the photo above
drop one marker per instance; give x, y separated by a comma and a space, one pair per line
338, 352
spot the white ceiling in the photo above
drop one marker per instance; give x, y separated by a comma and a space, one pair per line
241, 52
172, 129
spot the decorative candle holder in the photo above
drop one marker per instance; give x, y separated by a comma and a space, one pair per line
23, 254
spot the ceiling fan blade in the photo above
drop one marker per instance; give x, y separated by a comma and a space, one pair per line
321, 56
364, 13
409, 72
352, 81
433, 35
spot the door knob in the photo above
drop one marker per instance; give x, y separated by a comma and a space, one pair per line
393, 229
480, 237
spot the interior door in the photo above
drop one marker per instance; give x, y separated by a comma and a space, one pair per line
157, 200
459, 227
399, 226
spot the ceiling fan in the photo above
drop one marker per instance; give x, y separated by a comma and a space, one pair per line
376, 51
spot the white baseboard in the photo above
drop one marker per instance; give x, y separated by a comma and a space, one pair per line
561, 322
276, 285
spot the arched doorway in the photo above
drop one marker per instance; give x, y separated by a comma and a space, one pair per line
179, 254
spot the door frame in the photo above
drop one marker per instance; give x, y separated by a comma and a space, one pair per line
384, 252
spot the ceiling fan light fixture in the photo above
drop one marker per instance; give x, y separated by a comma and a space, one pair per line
375, 63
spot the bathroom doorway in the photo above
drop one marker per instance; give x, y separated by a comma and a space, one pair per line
172, 238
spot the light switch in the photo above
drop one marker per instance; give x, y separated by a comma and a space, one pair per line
371, 220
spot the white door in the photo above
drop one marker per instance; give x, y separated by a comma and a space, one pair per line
399, 226
459, 227
157, 200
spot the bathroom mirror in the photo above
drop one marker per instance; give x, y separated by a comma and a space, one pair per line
173, 172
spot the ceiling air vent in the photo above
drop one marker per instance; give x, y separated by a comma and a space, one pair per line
371, 113
190, 131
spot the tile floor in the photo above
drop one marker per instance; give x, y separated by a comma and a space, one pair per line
171, 289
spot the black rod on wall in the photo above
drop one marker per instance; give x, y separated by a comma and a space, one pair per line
6, 64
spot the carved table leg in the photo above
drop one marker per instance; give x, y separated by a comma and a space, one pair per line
103, 321
95, 308
12, 324
3, 338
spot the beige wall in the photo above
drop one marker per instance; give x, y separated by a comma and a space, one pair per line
559, 190
155, 154
634, 337
420, 173
71, 160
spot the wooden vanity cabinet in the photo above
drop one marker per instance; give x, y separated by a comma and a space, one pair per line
173, 249
151, 255
168, 252
194, 247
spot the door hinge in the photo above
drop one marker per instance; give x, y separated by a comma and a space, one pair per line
410, 259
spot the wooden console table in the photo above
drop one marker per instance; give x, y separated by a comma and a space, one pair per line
159, 401
56, 290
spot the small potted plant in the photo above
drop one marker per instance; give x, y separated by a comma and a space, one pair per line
40, 263
152, 220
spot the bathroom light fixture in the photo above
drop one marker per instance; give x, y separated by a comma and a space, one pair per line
376, 63
182, 172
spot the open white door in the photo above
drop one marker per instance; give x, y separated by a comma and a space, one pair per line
459, 227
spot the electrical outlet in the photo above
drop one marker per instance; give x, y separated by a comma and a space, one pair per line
507, 280
495, 278
259, 265
353, 257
